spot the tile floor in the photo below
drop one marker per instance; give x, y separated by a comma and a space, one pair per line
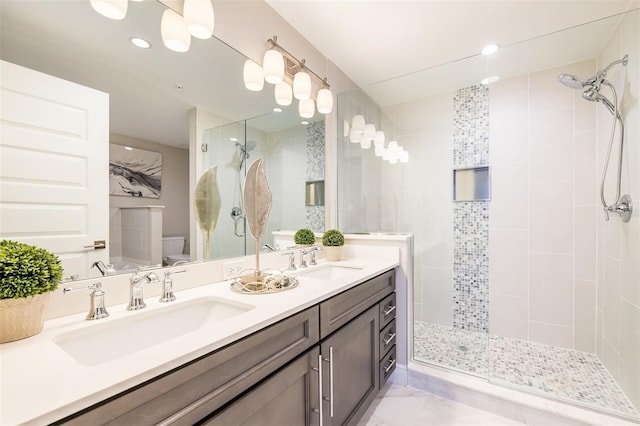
563, 373
397, 405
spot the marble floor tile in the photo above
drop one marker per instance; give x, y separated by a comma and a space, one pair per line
397, 405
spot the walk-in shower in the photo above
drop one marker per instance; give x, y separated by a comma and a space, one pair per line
621, 205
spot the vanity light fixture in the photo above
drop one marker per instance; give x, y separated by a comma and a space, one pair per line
197, 20
112, 9
198, 17
174, 32
140, 42
490, 49
292, 79
253, 76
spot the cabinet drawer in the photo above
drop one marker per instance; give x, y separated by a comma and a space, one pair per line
387, 310
190, 392
342, 308
387, 338
387, 365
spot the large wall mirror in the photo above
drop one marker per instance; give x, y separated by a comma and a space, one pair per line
151, 93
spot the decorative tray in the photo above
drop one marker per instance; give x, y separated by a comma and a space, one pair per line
265, 281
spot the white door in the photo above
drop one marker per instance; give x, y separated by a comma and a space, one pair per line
54, 152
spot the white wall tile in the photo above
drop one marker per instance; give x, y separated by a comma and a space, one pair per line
630, 262
551, 218
585, 316
585, 243
611, 359
509, 128
509, 86
551, 289
551, 146
585, 168
611, 302
545, 92
508, 316
630, 350
509, 262
437, 287
550, 334
509, 205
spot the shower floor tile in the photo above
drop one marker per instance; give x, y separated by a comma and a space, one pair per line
563, 373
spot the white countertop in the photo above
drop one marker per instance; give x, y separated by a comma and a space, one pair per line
41, 383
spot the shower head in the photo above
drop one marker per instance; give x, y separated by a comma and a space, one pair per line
250, 145
571, 81
593, 95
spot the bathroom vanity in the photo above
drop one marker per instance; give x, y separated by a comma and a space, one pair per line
316, 354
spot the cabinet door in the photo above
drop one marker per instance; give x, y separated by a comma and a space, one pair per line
352, 354
289, 397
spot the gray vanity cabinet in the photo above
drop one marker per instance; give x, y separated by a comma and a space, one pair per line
289, 397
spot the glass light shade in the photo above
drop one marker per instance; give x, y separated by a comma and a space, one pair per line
345, 128
301, 85
273, 66
325, 101
198, 16
283, 93
174, 32
369, 132
386, 155
393, 146
253, 77
112, 9
379, 150
365, 143
404, 157
357, 123
378, 138
355, 136
306, 108
393, 159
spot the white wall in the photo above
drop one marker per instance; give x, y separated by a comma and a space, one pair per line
618, 244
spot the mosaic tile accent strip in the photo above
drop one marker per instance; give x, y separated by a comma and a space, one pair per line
574, 376
471, 266
471, 219
315, 171
471, 126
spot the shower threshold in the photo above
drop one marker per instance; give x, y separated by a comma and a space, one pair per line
566, 374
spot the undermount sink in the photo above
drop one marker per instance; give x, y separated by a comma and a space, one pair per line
120, 337
330, 272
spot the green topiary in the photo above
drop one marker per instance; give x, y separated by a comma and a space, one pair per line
27, 270
333, 238
304, 236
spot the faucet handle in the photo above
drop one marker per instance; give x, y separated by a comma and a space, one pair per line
167, 286
292, 260
97, 310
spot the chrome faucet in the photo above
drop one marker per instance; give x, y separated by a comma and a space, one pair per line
167, 286
292, 260
97, 309
136, 282
303, 252
100, 266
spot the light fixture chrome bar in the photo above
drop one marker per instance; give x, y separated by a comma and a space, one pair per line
300, 63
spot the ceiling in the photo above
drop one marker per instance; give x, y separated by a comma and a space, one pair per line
375, 41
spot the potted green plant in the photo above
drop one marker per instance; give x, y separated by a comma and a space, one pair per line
304, 237
332, 240
28, 275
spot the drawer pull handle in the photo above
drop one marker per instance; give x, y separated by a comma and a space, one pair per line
330, 361
390, 366
319, 370
389, 310
389, 339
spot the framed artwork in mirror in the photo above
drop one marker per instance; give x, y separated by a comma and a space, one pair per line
134, 172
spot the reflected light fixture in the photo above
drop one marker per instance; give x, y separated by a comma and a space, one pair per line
283, 93
140, 42
253, 76
306, 108
301, 85
357, 123
198, 17
490, 80
378, 139
174, 32
273, 66
292, 79
112, 9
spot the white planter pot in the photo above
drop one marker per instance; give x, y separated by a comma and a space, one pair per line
22, 318
332, 253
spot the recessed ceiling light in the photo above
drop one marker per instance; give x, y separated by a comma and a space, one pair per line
304, 122
233, 139
490, 49
140, 42
276, 109
128, 148
490, 80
